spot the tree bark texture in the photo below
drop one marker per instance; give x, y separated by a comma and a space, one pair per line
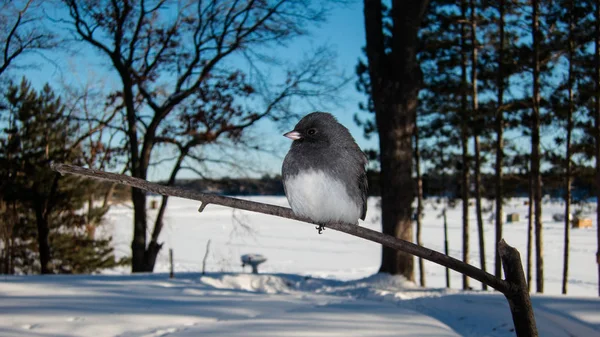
518, 296
138, 244
395, 82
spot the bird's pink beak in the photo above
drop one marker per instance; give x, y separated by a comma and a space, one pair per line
293, 135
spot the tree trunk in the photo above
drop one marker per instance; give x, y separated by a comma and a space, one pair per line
465, 205
479, 208
597, 127
90, 226
138, 197
445, 196
535, 152
499, 139
138, 168
90, 204
395, 80
477, 172
419, 203
138, 245
529, 229
154, 247
108, 195
446, 247
10, 254
464, 140
43, 231
568, 173
395, 133
518, 297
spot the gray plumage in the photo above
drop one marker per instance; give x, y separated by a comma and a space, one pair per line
324, 171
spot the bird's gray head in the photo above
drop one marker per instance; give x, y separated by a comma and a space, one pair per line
319, 128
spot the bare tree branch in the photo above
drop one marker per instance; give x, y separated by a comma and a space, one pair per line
23, 35
172, 65
365, 233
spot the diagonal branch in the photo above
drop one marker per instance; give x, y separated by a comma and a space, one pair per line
365, 233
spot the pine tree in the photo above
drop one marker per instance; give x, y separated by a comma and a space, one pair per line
499, 125
535, 148
566, 103
597, 129
478, 127
46, 204
445, 57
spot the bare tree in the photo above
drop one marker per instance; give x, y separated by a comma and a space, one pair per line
21, 32
213, 115
170, 54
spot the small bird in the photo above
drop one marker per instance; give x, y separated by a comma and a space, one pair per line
324, 175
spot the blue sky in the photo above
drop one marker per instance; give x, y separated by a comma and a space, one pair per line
343, 32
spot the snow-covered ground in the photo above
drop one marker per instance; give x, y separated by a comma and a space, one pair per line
311, 285
295, 248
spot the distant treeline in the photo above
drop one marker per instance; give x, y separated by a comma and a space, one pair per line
433, 185
235, 186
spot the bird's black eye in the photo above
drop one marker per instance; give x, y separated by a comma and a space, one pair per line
311, 132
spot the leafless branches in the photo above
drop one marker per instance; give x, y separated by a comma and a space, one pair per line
181, 86
21, 32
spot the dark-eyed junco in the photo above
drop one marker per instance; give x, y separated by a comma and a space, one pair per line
324, 172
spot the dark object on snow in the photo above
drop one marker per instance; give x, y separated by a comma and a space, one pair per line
253, 260
512, 217
581, 223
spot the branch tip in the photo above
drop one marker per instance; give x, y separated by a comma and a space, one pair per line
503, 247
202, 206
57, 167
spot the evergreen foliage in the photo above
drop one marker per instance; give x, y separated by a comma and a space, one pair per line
46, 226
521, 87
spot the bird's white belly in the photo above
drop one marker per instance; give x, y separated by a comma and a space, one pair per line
321, 198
